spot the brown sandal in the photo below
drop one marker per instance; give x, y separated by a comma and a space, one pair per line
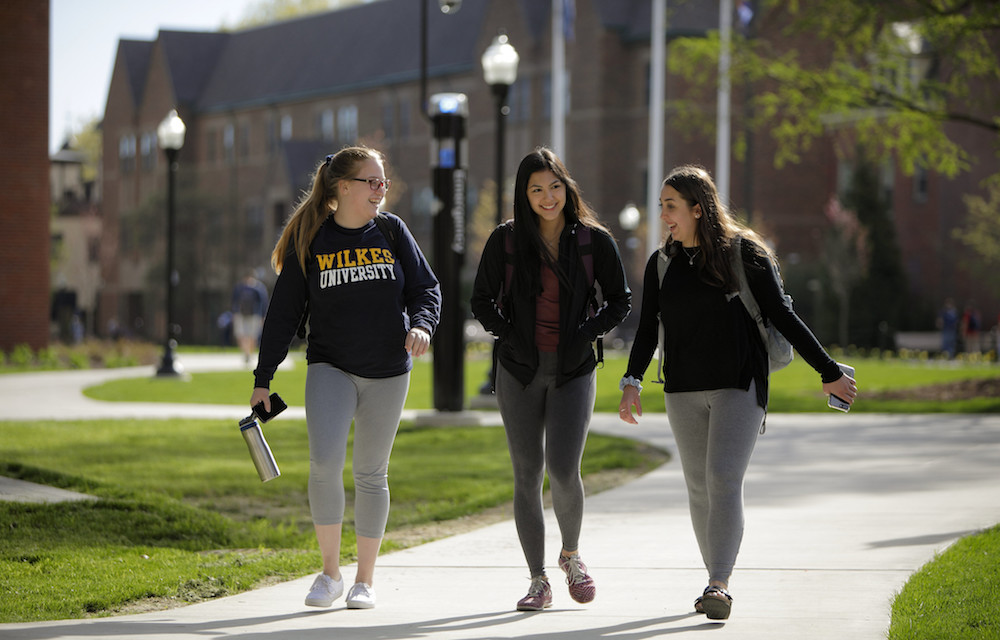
714, 602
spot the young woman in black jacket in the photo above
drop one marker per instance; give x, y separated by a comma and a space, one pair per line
533, 292
715, 363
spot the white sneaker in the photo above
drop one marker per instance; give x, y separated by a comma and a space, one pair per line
361, 596
324, 591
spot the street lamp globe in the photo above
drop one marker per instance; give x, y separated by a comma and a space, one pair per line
500, 62
629, 217
170, 133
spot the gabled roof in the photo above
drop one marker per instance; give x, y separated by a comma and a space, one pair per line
135, 55
190, 57
342, 51
366, 45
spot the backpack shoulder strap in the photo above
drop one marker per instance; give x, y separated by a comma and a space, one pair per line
584, 240
386, 227
662, 263
585, 245
746, 295
508, 260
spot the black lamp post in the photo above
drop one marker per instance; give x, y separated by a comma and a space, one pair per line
446, 7
500, 71
170, 135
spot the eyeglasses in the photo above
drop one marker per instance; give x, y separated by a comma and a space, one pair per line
375, 183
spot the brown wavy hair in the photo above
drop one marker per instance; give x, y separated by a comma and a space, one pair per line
715, 229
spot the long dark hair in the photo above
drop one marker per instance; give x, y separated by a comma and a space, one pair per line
715, 229
529, 250
315, 206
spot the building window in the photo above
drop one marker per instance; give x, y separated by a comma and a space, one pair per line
278, 213
405, 110
272, 136
245, 140
126, 153
887, 185
920, 185
211, 146
519, 101
347, 124
388, 118
286, 128
228, 142
147, 149
326, 125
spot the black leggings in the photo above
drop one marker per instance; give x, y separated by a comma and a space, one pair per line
546, 429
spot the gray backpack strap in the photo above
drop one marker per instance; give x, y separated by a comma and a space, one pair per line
779, 349
746, 297
662, 263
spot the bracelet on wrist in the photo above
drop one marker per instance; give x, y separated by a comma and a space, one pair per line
630, 381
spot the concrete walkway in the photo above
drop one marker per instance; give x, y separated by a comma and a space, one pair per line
841, 509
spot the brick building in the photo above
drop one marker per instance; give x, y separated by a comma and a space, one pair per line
24, 174
264, 105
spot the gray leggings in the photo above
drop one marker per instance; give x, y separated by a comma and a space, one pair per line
333, 399
546, 428
715, 433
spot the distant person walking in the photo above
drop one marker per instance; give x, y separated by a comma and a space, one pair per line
248, 308
372, 304
715, 363
545, 370
969, 328
948, 323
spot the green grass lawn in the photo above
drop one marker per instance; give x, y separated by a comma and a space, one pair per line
796, 388
954, 596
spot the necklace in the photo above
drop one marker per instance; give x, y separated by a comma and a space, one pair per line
691, 256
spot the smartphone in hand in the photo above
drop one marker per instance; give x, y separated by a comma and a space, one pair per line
835, 402
277, 406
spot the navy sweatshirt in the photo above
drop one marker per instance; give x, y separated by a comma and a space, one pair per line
363, 296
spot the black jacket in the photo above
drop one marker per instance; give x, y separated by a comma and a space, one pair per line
711, 341
514, 327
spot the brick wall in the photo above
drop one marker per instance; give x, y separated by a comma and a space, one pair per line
24, 173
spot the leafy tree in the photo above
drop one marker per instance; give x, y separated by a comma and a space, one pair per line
88, 140
981, 234
896, 73
267, 11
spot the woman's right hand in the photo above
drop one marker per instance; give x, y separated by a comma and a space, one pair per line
261, 394
630, 398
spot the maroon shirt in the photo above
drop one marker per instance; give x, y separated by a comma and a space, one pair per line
547, 312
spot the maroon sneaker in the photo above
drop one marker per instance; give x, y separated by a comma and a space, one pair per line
581, 585
539, 595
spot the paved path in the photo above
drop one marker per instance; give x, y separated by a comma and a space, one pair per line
841, 509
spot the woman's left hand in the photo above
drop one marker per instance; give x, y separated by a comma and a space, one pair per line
843, 387
417, 342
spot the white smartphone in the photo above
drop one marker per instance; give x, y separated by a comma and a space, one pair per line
835, 402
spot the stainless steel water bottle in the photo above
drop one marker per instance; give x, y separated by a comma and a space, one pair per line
260, 453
